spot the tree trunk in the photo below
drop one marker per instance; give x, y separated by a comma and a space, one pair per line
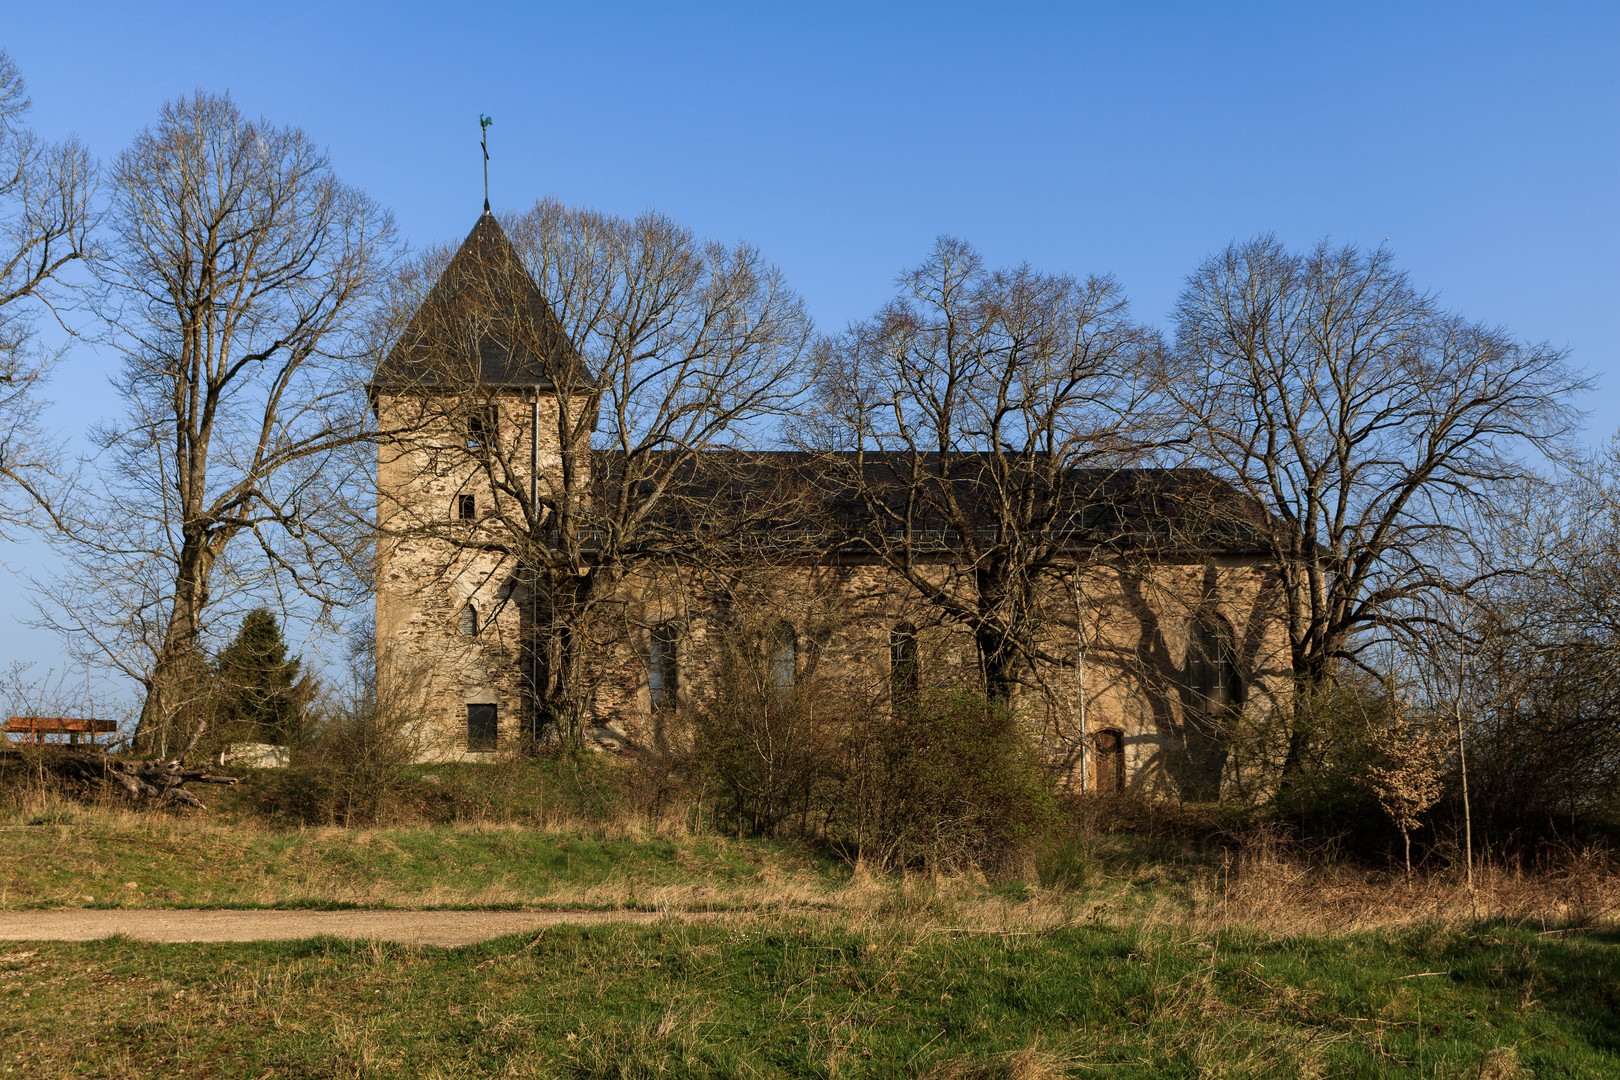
562, 608
165, 685
998, 661
1310, 673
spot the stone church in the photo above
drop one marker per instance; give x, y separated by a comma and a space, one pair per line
1151, 653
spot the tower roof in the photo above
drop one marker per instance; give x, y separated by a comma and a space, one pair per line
484, 323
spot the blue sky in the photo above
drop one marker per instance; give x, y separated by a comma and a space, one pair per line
1480, 141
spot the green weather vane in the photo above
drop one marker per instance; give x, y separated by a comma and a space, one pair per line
483, 141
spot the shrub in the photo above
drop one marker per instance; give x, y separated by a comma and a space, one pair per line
1327, 797
765, 745
952, 781
764, 758
358, 756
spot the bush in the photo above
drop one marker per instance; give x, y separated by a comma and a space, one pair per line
764, 747
351, 773
1327, 798
951, 782
764, 760
357, 757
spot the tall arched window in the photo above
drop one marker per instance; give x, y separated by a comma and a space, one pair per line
784, 659
1212, 684
467, 621
905, 671
481, 426
662, 674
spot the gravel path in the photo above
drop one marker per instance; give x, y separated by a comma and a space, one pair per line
408, 927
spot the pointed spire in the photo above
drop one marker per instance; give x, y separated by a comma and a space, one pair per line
453, 339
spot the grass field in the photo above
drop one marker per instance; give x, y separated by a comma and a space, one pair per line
1116, 956
110, 858
130, 861
812, 998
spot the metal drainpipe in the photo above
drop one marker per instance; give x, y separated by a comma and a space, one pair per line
1080, 678
534, 577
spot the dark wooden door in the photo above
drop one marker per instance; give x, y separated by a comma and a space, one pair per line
1108, 758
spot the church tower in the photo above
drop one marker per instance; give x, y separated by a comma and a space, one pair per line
468, 454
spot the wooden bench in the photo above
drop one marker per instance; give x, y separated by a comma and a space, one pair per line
35, 728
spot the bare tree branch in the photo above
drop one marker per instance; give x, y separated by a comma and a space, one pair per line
985, 422
47, 224
238, 269
1366, 420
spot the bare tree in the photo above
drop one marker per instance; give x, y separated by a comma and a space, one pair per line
1530, 664
637, 352
1368, 422
238, 266
46, 225
982, 422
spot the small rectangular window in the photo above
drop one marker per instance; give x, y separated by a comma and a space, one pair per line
466, 507
480, 727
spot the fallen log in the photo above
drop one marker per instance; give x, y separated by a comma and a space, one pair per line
158, 783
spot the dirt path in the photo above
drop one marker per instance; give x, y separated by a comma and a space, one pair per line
408, 927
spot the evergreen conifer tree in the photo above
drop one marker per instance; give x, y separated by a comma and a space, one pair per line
262, 693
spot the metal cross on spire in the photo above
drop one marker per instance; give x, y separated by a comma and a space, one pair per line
483, 141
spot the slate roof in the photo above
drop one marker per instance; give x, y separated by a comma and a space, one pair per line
478, 324
1185, 511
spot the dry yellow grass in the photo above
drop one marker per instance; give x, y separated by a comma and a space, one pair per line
1285, 896
110, 854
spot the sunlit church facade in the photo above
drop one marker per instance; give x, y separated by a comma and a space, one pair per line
1153, 656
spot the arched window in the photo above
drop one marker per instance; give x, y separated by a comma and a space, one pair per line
481, 426
905, 671
467, 621
1212, 684
662, 673
784, 659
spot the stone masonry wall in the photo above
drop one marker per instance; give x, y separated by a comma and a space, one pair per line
426, 667
1134, 620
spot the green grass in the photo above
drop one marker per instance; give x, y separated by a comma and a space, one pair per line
110, 861
1119, 956
808, 998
